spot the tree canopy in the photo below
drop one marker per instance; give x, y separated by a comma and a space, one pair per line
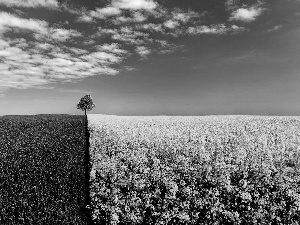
86, 104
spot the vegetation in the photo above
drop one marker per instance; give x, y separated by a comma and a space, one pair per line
86, 104
195, 170
42, 170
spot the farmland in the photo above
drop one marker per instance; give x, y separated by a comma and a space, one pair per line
195, 170
42, 170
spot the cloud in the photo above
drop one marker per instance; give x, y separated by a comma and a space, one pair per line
11, 51
130, 36
119, 29
103, 58
105, 12
4, 44
231, 4
60, 34
275, 28
135, 17
143, 51
213, 29
113, 48
40, 64
134, 4
85, 18
30, 3
151, 27
8, 21
78, 51
183, 16
167, 48
246, 14
171, 24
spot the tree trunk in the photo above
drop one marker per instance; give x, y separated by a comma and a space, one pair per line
85, 112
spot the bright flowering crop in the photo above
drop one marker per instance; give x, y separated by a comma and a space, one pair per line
195, 170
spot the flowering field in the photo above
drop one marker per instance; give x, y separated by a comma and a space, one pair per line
42, 170
195, 170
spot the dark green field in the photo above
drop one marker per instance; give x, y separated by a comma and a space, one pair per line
43, 173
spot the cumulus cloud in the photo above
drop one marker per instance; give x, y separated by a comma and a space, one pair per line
151, 27
58, 53
30, 3
63, 34
40, 29
213, 29
128, 35
4, 44
40, 64
78, 51
246, 14
143, 51
105, 12
85, 18
171, 24
103, 58
9, 21
183, 16
113, 48
135, 17
134, 4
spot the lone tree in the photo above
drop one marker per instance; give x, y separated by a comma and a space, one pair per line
86, 103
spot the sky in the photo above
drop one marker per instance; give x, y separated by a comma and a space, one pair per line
150, 57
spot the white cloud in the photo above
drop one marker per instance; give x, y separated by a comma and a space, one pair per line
171, 24
8, 20
78, 51
3, 44
60, 34
49, 59
213, 29
99, 13
30, 3
108, 31
129, 36
85, 18
43, 46
135, 17
184, 17
105, 12
139, 17
246, 14
134, 4
33, 68
151, 26
11, 51
103, 58
113, 48
143, 51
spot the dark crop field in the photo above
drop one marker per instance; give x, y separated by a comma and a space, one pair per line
43, 178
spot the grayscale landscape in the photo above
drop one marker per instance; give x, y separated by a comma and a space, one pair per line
149, 112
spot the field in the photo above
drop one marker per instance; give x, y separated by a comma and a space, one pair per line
42, 170
195, 170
